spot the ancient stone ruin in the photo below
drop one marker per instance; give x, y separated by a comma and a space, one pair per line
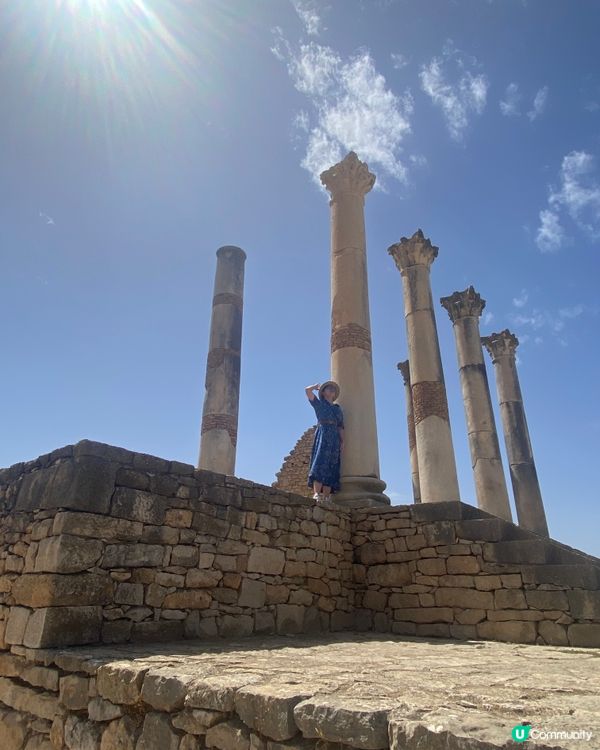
147, 604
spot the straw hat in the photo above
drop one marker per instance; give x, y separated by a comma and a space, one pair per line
334, 384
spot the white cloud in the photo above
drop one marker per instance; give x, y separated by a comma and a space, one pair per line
352, 109
307, 12
461, 99
521, 301
550, 234
399, 60
47, 219
571, 312
509, 106
578, 196
539, 103
487, 318
554, 323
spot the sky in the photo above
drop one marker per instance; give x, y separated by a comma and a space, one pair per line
138, 136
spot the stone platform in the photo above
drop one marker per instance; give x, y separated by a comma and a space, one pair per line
362, 690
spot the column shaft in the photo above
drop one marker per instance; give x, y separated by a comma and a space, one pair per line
351, 361
410, 422
220, 414
464, 310
523, 474
437, 466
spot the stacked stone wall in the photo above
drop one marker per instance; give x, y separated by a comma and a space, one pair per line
293, 475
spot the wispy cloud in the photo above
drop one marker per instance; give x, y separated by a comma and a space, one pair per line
521, 300
509, 106
308, 14
399, 60
352, 109
454, 84
47, 219
554, 323
539, 103
487, 318
578, 196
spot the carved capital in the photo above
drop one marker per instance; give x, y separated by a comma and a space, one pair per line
405, 370
413, 251
501, 344
351, 175
465, 304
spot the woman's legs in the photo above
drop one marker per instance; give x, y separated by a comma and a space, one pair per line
326, 492
318, 488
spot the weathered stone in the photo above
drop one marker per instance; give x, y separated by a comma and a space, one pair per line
48, 589
467, 598
290, 619
120, 682
425, 614
43, 677
17, 624
132, 556
584, 634
81, 734
269, 709
106, 528
103, 710
584, 605
165, 688
13, 730
27, 700
202, 578
433, 566
266, 560
470, 616
509, 599
197, 720
228, 735
121, 734
159, 630
66, 553
235, 626
355, 722
566, 576
217, 692
184, 555
157, 733
462, 564
137, 505
403, 600
129, 593
252, 593
553, 634
392, 574
187, 600
73, 692
546, 599
372, 553
52, 627
514, 632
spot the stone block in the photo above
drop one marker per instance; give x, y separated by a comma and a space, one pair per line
217, 692
266, 560
525, 551
269, 709
398, 601
510, 631
43, 677
539, 599
66, 553
138, 505
343, 720
392, 574
184, 555
465, 598
488, 582
433, 566
13, 730
228, 735
197, 720
16, 625
376, 600
567, 576
509, 599
198, 578
165, 688
442, 532
584, 634
196, 599
73, 692
235, 626
95, 526
103, 710
120, 682
553, 633
158, 631
52, 627
121, 734
252, 593
424, 614
372, 553
81, 734
290, 619
470, 616
129, 593
50, 589
454, 581
584, 605
157, 732
462, 564
132, 556
28, 700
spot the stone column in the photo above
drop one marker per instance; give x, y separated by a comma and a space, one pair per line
410, 420
464, 309
351, 364
437, 466
528, 498
220, 414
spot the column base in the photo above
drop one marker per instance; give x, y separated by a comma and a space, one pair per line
361, 492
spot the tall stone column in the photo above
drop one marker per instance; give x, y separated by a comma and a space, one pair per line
464, 309
528, 497
410, 421
437, 466
351, 363
220, 414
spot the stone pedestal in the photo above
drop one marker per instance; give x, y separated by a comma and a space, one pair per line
410, 421
437, 467
220, 413
351, 362
528, 498
464, 310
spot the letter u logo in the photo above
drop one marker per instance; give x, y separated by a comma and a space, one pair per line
521, 732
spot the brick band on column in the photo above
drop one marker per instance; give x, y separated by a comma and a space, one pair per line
220, 422
429, 398
351, 335
225, 298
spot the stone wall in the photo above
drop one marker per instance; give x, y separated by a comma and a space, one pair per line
99, 544
449, 570
293, 475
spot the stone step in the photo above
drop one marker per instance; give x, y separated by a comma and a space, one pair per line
491, 530
534, 551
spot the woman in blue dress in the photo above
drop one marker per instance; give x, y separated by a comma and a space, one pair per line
324, 469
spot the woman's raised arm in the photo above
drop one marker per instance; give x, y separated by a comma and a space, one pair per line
309, 391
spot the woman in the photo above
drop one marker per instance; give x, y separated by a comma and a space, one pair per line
324, 470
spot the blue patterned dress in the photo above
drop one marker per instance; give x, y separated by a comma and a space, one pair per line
325, 456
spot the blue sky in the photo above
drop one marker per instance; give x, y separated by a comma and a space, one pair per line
137, 136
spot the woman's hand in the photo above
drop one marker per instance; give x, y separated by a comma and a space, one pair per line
314, 387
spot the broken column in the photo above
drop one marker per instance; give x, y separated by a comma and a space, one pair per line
220, 414
437, 466
410, 421
351, 363
464, 310
528, 498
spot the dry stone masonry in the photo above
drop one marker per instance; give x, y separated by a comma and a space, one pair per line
293, 475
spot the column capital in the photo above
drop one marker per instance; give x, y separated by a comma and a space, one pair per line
413, 251
503, 344
465, 304
351, 175
405, 370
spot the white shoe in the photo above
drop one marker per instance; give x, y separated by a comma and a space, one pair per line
326, 498
317, 496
